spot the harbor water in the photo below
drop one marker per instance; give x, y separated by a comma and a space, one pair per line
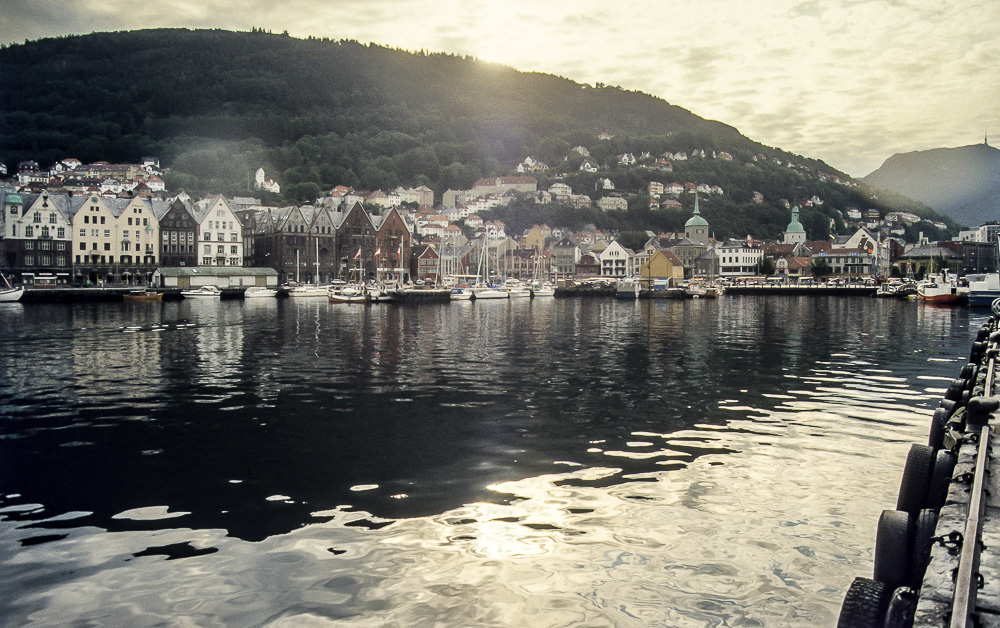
545, 462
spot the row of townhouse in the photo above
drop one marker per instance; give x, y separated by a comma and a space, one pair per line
59, 239
313, 244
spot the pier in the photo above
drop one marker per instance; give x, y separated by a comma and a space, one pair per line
937, 554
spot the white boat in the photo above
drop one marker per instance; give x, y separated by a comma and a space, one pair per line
983, 289
210, 292
259, 292
380, 294
488, 292
541, 289
939, 288
694, 291
483, 289
312, 291
461, 293
9, 295
516, 289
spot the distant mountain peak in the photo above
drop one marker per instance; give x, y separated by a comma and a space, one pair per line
962, 182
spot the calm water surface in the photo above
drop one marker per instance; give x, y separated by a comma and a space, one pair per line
534, 462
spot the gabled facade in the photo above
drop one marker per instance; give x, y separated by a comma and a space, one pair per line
393, 242
114, 240
617, 261
220, 239
355, 243
661, 266
37, 238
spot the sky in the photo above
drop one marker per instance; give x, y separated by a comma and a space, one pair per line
851, 82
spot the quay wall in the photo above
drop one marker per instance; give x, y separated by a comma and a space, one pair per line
937, 554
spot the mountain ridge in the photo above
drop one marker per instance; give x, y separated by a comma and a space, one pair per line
961, 182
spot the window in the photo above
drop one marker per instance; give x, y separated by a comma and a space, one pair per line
102, 220
208, 249
60, 260
222, 250
37, 217
29, 245
45, 232
206, 261
233, 249
83, 246
130, 222
208, 236
107, 232
29, 260
52, 219
145, 222
86, 220
61, 232
45, 260
107, 246
45, 245
222, 237
233, 238
29, 232
60, 246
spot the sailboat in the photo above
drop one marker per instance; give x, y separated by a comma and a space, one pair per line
10, 293
483, 289
354, 290
312, 291
538, 287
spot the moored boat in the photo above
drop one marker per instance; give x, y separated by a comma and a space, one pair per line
516, 289
542, 289
9, 295
488, 292
142, 295
348, 293
983, 289
211, 292
308, 291
259, 292
941, 289
461, 293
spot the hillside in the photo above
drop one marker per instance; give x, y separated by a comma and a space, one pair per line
963, 183
216, 105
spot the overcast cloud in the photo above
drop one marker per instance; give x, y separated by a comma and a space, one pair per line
847, 81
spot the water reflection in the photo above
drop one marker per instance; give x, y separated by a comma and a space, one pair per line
572, 461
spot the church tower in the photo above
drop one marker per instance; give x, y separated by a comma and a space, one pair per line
795, 233
696, 228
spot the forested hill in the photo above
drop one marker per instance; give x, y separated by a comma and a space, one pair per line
216, 105
114, 96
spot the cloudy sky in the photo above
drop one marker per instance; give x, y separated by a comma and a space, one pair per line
847, 81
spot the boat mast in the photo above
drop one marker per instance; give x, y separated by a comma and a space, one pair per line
317, 261
296, 266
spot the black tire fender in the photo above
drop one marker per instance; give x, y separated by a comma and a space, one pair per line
865, 604
894, 548
916, 479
